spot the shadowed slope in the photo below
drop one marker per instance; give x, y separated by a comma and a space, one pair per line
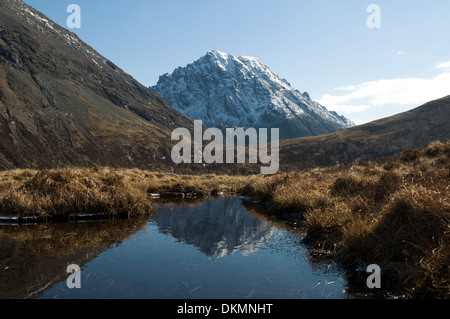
62, 103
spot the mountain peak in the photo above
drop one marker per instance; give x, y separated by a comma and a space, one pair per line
228, 91
219, 58
223, 59
217, 53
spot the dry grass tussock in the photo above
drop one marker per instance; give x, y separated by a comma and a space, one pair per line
394, 212
51, 193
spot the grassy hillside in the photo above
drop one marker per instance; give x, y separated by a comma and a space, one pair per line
385, 137
63, 104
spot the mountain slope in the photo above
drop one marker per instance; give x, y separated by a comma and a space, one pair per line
226, 91
392, 135
62, 103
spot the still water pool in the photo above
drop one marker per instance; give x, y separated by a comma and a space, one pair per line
216, 249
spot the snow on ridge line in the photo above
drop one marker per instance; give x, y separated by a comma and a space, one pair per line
37, 19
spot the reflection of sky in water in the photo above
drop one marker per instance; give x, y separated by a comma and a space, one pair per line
211, 250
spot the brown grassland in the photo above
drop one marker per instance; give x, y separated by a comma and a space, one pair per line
394, 212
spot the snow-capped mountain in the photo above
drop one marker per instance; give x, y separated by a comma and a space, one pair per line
228, 91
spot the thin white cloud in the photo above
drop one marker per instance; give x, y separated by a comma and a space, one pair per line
445, 65
380, 93
360, 122
401, 52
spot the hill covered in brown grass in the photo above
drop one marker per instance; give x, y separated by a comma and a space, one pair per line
63, 104
386, 137
392, 135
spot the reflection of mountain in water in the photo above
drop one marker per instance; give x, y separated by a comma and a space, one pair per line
216, 227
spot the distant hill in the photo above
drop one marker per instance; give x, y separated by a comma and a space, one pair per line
392, 135
63, 104
227, 91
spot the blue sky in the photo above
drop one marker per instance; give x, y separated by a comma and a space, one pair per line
322, 47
